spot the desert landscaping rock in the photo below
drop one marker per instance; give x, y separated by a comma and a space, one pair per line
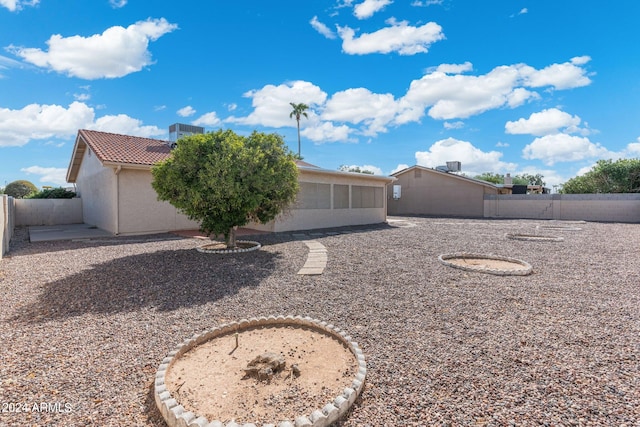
88, 323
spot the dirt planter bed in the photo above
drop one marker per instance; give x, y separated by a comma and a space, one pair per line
186, 392
491, 264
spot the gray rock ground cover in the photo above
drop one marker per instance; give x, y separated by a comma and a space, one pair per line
85, 324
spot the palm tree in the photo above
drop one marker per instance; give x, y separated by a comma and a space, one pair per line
298, 110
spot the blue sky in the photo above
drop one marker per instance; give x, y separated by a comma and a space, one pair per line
507, 86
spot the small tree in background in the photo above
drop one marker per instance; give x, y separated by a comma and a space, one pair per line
607, 176
20, 189
224, 180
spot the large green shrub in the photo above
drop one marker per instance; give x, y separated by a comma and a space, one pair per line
224, 180
607, 176
53, 193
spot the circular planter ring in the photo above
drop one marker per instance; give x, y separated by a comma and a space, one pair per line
534, 237
243, 246
176, 415
466, 261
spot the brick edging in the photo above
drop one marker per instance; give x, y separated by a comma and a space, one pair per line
255, 247
176, 415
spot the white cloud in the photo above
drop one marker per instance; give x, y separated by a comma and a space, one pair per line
454, 96
399, 37
633, 148
523, 11
474, 161
398, 168
442, 95
81, 97
6, 63
501, 144
460, 96
368, 8
56, 176
567, 75
35, 121
15, 5
126, 125
115, 53
322, 28
232, 106
272, 103
453, 125
419, 3
360, 105
327, 132
545, 122
561, 147
117, 4
454, 68
186, 111
208, 119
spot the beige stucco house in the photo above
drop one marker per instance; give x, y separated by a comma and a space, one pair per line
425, 191
112, 174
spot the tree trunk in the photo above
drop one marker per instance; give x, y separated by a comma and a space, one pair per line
231, 238
299, 155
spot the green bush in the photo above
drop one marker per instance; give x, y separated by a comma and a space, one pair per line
53, 193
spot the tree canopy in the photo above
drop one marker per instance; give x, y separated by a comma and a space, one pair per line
224, 180
520, 179
20, 189
607, 176
357, 169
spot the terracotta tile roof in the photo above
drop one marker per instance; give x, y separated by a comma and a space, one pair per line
125, 149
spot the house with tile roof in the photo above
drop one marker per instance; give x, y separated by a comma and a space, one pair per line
423, 191
112, 175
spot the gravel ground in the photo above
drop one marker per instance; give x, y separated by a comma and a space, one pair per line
85, 324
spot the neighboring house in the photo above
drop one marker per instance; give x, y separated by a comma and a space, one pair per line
425, 191
112, 174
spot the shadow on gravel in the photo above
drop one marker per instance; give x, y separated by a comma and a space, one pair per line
164, 280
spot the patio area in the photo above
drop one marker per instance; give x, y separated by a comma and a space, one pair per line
86, 323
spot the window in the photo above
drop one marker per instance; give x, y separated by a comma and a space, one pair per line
340, 196
312, 195
366, 197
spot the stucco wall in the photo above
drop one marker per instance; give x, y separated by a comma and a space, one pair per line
139, 210
6, 222
48, 211
587, 207
436, 193
96, 186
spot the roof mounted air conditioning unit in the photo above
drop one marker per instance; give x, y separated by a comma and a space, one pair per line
454, 166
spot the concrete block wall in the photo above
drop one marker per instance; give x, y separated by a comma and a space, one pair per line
587, 207
48, 211
7, 218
